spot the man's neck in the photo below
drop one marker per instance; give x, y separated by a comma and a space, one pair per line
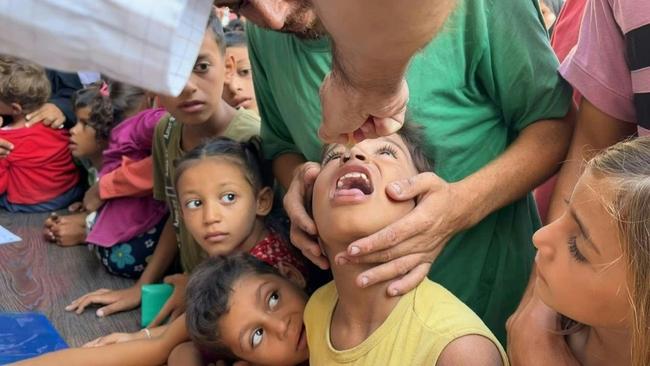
601, 346
215, 126
359, 311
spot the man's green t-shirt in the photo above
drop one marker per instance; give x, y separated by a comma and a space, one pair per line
166, 149
488, 75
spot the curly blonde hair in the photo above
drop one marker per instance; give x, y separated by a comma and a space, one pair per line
23, 82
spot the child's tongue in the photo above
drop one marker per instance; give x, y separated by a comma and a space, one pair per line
349, 192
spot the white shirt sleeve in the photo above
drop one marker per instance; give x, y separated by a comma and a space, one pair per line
149, 43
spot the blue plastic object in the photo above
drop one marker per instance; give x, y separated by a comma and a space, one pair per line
27, 335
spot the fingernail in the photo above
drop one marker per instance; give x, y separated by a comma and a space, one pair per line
99, 313
354, 250
393, 292
393, 127
364, 281
396, 187
342, 261
68, 308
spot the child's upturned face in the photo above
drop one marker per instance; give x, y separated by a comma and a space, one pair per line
349, 199
83, 142
238, 90
219, 206
264, 324
201, 96
581, 272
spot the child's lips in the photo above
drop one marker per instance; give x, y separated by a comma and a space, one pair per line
216, 237
192, 106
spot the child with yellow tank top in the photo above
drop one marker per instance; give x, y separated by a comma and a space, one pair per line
349, 325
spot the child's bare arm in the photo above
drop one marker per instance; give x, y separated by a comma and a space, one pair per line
127, 337
185, 354
470, 350
126, 299
145, 352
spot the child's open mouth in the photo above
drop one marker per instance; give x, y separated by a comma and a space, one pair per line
354, 185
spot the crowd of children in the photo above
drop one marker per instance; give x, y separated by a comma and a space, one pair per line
176, 189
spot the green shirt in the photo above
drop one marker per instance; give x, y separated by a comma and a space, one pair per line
488, 75
167, 147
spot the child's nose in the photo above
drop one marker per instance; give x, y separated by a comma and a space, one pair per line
354, 153
279, 326
544, 240
211, 214
235, 84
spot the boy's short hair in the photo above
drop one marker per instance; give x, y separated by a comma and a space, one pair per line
23, 82
215, 27
413, 136
208, 297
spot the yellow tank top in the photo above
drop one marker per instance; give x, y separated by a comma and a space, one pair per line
420, 326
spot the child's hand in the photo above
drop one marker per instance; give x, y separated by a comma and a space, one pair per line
303, 228
69, 230
114, 338
48, 225
115, 301
49, 114
175, 305
76, 207
92, 201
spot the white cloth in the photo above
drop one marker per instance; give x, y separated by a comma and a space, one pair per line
149, 43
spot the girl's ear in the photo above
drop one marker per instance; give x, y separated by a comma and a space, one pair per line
264, 201
231, 68
16, 109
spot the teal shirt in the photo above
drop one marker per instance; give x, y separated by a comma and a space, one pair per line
488, 75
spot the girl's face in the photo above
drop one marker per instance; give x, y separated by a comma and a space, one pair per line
238, 89
220, 207
83, 142
581, 272
349, 199
264, 324
201, 97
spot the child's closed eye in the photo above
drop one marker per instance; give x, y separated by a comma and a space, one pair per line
387, 150
332, 155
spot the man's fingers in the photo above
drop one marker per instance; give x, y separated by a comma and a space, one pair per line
413, 187
388, 237
388, 126
390, 270
298, 214
309, 248
409, 281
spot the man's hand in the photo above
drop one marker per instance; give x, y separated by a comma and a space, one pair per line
175, 305
303, 229
533, 337
49, 114
92, 201
5, 148
406, 248
115, 300
364, 113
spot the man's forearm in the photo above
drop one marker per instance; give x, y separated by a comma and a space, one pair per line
375, 39
284, 166
594, 132
531, 158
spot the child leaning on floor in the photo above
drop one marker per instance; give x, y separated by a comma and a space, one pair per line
38, 175
226, 287
197, 113
350, 325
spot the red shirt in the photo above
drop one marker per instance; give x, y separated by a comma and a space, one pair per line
39, 168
